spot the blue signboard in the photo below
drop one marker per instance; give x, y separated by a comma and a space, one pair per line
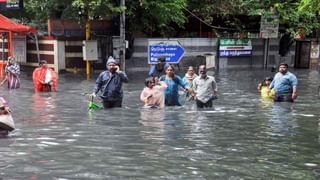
171, 50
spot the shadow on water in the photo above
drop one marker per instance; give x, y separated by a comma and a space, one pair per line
242, 137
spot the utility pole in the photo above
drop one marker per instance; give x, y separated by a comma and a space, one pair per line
88, 35
123, 35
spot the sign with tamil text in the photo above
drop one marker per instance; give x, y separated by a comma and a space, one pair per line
235, 47
11, 4
170, 49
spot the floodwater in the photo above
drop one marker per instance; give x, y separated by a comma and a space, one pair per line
242, 137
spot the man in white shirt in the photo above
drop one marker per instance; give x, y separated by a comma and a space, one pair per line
205, 88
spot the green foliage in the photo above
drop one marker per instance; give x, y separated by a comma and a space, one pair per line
39, 11
294, 15
161, 17
292, 20
156, 17
310, 5
297, 21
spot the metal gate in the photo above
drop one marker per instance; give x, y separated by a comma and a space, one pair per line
302, 58
104, 50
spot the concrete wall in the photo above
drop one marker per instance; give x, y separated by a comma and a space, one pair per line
60, 54
46, 51
257, 58
196, 50
67, 54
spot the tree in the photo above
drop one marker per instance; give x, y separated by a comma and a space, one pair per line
160, 18
151, 17
294, 15
157, 17
310, 5
38, 11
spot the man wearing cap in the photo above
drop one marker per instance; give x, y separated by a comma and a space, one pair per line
44, 78
109, 83
12, 71
284, 84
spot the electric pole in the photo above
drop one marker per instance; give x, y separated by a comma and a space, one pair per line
88, 35
123, 35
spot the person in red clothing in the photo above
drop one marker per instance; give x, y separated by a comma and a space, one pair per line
44, 78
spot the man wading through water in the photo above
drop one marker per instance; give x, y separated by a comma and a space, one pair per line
204, 88
109, 83
284, 84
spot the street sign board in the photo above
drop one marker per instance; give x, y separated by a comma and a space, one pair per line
269, 26
170, 49
235, 47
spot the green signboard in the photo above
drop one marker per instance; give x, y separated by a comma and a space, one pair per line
235, 47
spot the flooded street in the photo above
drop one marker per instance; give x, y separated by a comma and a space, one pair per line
242, 137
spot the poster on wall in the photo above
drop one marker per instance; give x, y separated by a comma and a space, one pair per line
315, 48
11, 4
235, 47
19, 48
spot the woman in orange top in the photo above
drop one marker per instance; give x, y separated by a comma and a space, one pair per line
44, 78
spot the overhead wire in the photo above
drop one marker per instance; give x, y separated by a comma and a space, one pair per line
215, 27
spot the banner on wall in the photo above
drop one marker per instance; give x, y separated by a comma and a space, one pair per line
11, 4
235, 47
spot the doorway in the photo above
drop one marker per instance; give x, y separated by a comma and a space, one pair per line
302, 57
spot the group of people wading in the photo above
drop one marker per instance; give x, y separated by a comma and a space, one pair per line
164, 88
44, 78
283, 87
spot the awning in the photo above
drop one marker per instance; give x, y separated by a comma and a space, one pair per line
9, 25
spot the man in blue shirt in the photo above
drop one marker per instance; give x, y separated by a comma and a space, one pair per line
285, 85
157, 70
109, 83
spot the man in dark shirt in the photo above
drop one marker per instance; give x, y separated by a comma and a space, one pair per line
157, 70
109, 83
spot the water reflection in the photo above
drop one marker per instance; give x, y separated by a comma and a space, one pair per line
43, 107
265, 103
242, 137
152, 118
282, 121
